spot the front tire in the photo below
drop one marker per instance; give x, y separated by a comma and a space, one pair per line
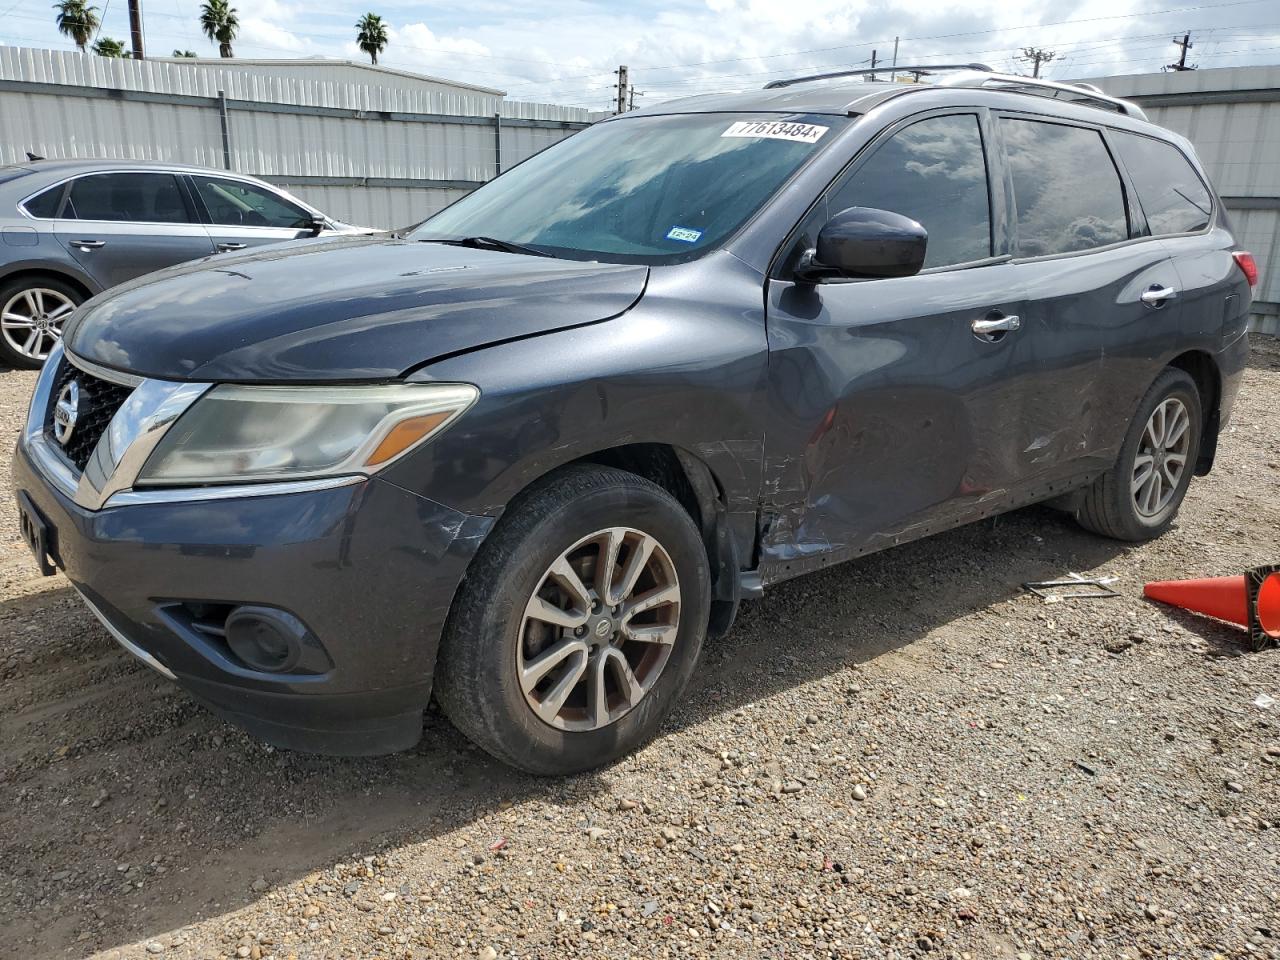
32, 312
579, 623
1138, 498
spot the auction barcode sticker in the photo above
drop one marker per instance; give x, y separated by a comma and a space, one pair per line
777, 130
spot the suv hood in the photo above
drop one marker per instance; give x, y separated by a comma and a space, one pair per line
348, 308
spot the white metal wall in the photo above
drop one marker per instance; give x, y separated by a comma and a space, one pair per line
59, 104
388, 207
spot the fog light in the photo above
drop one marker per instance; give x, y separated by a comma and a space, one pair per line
265, 638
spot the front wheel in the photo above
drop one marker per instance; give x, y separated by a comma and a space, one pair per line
32, 312
578, 624
1139, 497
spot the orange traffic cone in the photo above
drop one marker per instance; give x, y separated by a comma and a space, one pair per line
1251, 600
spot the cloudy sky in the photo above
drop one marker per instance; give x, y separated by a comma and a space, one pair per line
564, 50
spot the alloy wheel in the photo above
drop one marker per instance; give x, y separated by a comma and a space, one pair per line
32, 320
1162, 456
599, 629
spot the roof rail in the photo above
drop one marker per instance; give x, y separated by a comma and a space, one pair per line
1076, 91
980, 75
908, 68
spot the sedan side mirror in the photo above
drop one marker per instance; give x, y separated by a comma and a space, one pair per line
864, 242
317, 225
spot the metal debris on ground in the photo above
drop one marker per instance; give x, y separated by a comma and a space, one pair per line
1096, 588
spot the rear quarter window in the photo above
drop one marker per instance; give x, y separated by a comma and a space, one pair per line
1065, 186
45, 205
1172, 195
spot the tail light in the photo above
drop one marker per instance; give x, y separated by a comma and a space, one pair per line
1244, 260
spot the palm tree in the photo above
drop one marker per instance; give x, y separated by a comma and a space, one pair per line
77, 21
220, 24
107, 47
371, 36
190, 54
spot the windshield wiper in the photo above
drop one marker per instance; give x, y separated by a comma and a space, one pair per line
489, 243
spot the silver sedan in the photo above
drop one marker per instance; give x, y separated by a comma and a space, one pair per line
71, 228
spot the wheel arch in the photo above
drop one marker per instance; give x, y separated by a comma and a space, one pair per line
689, 479
1203, 369
694, 484
33, 271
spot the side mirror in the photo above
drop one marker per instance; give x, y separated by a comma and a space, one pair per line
316, 225
867, 243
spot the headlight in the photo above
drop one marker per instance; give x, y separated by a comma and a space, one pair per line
237, 433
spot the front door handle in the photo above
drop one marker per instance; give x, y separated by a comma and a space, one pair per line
228, 247
1157, 296
88, 244
995, 325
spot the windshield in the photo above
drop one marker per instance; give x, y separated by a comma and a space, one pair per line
642, 189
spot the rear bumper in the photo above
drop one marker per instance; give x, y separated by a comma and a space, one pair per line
369, 568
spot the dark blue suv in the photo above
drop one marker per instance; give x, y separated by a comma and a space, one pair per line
530, 453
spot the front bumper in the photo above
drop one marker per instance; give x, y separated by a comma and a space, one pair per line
368, 567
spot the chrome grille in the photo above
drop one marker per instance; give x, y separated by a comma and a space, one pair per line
99, 401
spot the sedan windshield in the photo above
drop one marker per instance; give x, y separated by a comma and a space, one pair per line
655, 189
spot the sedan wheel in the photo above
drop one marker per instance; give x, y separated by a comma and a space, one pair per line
31, 321
599, 629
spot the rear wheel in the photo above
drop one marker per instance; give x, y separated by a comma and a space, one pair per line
579, 623
1139, 497
32, 312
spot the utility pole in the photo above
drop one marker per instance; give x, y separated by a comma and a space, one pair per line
622, 86
869, 77
135, 28
894, 75
631, 97
1037, 56
1186, 44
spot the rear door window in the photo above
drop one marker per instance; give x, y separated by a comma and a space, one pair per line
1065, 186
1173, 197
239, 204
935, 172
130, 198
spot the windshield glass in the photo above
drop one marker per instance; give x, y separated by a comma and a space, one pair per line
642, 189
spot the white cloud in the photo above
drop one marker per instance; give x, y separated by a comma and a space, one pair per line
259, 32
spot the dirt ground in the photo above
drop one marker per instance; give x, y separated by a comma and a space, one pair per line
907, 755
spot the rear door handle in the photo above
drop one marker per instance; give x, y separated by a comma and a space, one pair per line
994, 324
1157, 296
228, 247
88, 244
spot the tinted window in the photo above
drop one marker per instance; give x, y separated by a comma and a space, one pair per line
46, 204
1172, 196
933, 171
238, 204
133, 197
648, 189
1065, 186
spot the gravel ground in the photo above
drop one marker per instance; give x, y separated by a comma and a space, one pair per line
903, 756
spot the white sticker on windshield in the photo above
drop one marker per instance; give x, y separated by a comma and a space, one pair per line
777, 130
684, 234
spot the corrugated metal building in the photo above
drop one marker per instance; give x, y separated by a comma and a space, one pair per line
1232, 115
366, 144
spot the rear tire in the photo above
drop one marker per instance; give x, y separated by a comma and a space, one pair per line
615, 676
32, 312
1139, 497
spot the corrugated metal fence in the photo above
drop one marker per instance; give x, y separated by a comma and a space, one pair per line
382, 154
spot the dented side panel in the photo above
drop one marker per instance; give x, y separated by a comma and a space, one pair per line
890, 415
